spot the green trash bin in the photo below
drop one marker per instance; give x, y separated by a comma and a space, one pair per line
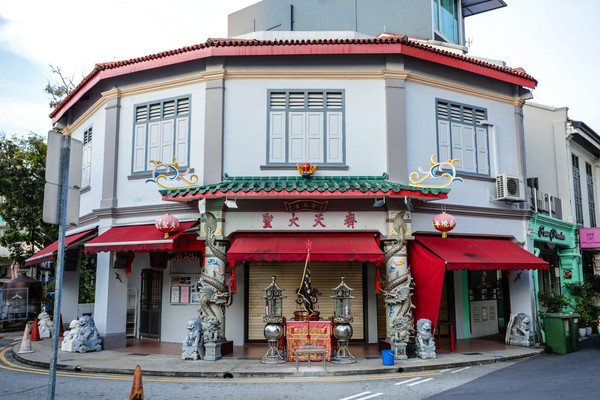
561, 331
574, 327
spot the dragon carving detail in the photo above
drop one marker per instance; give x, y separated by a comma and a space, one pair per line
400, 227
211, 240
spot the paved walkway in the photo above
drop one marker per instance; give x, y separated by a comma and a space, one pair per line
107, 361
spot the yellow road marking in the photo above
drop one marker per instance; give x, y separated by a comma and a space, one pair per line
6, 364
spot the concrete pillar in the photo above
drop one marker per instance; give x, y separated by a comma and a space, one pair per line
111, 153
395, 107
70, 295
371, 306
213, 127
110, 309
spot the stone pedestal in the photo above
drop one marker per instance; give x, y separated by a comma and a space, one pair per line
212, 351
399, 350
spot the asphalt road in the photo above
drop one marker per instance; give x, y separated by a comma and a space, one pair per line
571, 376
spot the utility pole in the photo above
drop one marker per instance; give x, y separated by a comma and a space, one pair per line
56, 194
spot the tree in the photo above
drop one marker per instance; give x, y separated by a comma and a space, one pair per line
22, 178
59, 91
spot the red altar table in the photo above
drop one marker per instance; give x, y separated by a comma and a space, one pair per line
308, 333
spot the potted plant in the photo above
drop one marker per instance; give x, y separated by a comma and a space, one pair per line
552, 302
582, 296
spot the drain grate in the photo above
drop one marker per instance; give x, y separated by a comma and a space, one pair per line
137, 354
472, 354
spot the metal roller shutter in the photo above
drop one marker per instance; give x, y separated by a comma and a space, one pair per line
325, 277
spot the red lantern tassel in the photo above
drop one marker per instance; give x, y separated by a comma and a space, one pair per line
377, 280
130, 258
233, 282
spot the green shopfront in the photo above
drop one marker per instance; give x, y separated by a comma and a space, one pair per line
555, 241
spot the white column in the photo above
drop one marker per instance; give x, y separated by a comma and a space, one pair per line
110, 309
70, 295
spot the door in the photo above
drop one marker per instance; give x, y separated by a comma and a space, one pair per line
150, 303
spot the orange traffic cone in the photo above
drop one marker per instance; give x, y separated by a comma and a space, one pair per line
61, 330
137, 389
26, 342
35, 331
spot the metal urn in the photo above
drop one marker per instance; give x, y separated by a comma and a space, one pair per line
342, 316
274, 319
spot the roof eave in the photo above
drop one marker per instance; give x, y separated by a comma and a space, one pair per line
103, 71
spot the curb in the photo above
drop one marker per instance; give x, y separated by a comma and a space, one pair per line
281, 374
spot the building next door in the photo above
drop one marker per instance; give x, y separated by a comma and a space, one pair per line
150, 303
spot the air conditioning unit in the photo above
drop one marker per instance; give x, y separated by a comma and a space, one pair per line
510, 188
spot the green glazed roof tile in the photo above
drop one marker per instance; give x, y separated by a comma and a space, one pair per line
319, 184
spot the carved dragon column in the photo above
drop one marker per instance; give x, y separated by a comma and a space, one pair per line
398, 286
214, 294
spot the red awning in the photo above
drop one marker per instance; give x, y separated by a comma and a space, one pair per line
136, 238
47, 253
477, 253
292, 247
430, 256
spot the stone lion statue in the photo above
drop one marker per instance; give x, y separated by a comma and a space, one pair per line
44, 325
518, 332
400, 329
70, 336
193, 344
425, 345
212, 329
88, 338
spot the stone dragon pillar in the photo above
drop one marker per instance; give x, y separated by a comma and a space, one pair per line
397, 289
214, 294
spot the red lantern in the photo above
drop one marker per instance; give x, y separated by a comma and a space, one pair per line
167, 224
444, 223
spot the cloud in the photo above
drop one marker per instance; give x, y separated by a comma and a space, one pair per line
20, 118
76, 34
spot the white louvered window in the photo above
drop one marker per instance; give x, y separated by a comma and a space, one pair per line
306, 126
86, 163
461, 136
161, 134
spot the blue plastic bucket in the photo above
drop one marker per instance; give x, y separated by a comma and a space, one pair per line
388, 357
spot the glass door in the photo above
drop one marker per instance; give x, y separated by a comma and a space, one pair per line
150, 304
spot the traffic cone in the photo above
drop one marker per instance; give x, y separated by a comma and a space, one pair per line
137, 389
35, 331
26, 342
61, 330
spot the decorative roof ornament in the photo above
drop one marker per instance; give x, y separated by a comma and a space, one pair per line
161, 170
306, 169
445, 169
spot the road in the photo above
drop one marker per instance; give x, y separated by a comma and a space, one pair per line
571, 376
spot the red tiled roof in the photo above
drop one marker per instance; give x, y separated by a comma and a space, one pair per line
203, 49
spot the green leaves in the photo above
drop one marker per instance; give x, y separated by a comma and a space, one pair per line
22, 178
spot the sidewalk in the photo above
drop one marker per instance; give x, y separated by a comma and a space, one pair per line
114, 362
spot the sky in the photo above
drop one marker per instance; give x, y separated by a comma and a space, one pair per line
553, 40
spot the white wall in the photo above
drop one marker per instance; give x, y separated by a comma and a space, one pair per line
245, 142
174, 317
422, 140
136, 192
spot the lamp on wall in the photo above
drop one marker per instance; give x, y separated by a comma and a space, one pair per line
379, 202
230, 203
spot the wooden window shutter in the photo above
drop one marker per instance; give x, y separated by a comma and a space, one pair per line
277, 137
